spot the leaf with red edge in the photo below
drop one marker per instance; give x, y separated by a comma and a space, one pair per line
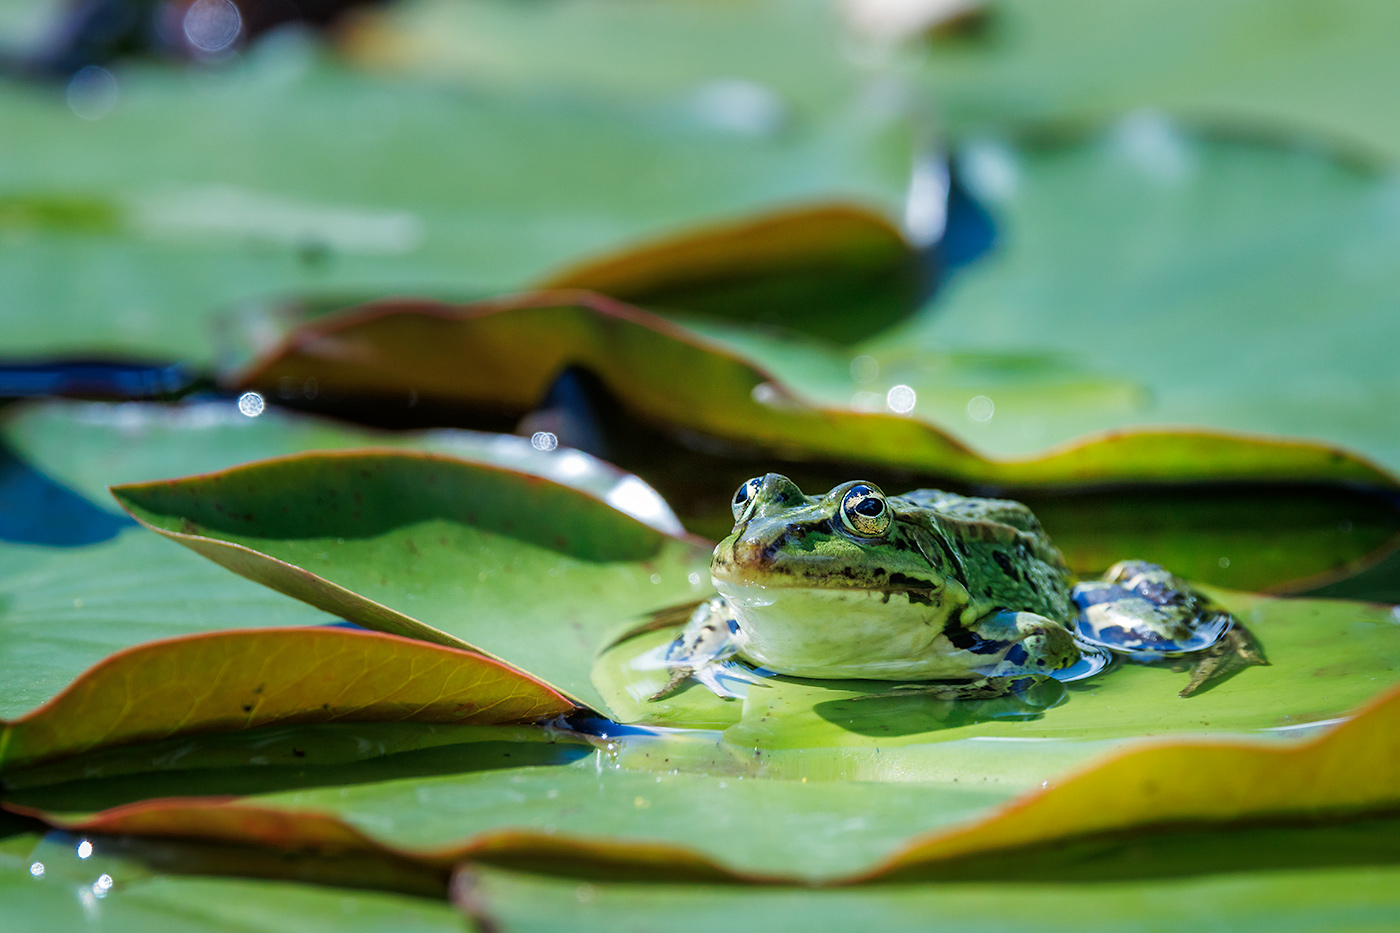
226, 681
836, 271
436, 548
1165, 787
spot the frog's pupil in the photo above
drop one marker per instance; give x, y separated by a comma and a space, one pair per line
870, 506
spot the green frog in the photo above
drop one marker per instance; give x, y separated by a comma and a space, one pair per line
965, 597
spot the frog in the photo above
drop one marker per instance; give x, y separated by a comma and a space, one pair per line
962, 597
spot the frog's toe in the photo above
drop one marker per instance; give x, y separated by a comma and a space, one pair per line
1236, 650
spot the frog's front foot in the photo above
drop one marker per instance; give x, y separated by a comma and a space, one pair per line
1147, 614
711, 637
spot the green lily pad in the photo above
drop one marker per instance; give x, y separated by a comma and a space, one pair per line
581, 818
680, 825
836, 272
246, 198
1360, 898
1325, 657
433, 547
46, 878
224, 681
1283, 70
1190, 298
1280, 521
772, 57
517, 347
114, 585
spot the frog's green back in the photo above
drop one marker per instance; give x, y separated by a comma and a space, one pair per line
1006, 559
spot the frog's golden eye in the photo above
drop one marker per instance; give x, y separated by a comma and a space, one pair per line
745, 496
864, 511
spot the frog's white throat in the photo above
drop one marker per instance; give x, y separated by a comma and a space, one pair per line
830, 632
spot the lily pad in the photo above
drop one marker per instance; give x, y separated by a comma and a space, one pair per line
1314, 71
118, 889
79, 580
836, 272
516, 348
1358, 898
1159, 265
748, 68
1280, 519
240, 680
1325, 657
247, 198
433, 547
684, 826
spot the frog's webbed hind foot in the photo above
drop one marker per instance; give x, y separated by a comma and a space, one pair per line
1147, 614
1237, 649
710, 638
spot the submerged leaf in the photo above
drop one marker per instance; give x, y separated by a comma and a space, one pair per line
226, 681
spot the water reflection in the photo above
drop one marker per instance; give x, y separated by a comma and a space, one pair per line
912, 709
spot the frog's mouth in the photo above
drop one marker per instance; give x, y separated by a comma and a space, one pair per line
729, 574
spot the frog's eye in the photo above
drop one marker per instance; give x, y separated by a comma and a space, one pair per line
745, 496
864, 511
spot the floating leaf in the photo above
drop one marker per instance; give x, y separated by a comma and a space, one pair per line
1350, 769
837, 272
1354, 767
503, 357
150, 889
1359, 898
1278, 70
248, 198
433, 547
1326, 657
698, 438
241, 680
572, 817
1115, 299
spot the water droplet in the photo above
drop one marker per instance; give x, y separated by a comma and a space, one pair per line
1224, 562
656, 578
900, 399
37, 869
84, 849
694, 579
251, 404
544, 440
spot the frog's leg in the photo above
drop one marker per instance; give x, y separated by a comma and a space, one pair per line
1147, 614
711, 637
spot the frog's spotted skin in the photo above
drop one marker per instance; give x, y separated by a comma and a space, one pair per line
967, 594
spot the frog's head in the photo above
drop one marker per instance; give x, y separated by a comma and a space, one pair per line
851, 574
